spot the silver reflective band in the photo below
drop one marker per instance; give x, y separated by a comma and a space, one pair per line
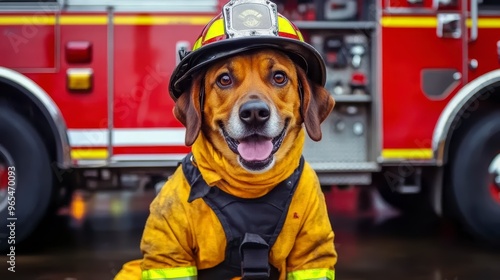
243, 18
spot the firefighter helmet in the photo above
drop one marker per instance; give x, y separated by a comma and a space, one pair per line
242, 26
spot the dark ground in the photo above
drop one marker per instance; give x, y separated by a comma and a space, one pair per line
373, 243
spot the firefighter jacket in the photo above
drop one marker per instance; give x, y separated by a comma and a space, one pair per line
184, 237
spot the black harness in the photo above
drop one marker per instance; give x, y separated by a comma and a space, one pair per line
251, 226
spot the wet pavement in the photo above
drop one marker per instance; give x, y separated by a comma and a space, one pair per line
100, 231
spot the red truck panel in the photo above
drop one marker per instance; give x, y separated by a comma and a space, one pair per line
409, 116
145, 57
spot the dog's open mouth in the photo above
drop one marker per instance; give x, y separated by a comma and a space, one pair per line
255, 151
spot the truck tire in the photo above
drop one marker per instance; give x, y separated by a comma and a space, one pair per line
471, 193
23, 151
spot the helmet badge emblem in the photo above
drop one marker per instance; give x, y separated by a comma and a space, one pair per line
250, 18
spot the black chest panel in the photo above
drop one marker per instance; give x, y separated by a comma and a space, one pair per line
251, 226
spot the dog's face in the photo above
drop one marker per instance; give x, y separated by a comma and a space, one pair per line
252, 109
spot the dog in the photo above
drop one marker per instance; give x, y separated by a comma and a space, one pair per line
247, 133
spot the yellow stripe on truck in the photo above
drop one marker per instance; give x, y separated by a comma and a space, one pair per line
408, 22
89, 153
407, 154
28, 20
431, 22
83, 20
485, 23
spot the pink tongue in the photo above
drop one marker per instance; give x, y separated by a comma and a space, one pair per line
255, 149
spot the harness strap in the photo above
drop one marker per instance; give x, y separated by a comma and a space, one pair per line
254, 252
251, 226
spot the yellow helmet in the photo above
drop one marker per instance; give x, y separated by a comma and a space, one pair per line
246, 25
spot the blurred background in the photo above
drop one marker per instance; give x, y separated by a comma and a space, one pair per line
409, 160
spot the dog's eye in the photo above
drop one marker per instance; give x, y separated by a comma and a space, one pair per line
280, 78
224, 80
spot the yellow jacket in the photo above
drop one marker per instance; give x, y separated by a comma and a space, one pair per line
181, 238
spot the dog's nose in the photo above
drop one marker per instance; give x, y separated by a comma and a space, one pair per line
254, 112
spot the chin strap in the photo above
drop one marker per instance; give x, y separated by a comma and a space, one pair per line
301, 97
202, 97
183, 53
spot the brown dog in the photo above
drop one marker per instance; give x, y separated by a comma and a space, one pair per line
253, 100
244, 118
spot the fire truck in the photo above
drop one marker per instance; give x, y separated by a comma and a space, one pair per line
84, 100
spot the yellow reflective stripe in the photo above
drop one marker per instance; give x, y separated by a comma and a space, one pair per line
408, 22
216, 29
161, 20
35, 19
301, 38
485, 23
312, 274
187, 273
51, 20
197, 44
82, 20
407, 154
431, 22
285, 26
89, 153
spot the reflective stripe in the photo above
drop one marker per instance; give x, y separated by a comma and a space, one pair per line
215, 30
35, 19
285, 26
197, 44
312, 274
407, 153
88, 137
431, 22
288, 27
485, 22
89, 153
127, 137
409, 22
177, 273
148, 137
83, 20
301, 38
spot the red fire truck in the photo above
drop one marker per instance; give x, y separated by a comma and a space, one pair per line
83, 100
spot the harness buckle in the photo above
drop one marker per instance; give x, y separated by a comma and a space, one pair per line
254, 252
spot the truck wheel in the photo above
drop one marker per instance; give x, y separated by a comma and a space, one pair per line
473, 188
22, 152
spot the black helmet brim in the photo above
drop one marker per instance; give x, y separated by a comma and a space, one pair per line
305, 55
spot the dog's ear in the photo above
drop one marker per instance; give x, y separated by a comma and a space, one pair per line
188, 110
317, 103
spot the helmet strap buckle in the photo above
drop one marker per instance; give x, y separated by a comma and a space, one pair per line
183, 53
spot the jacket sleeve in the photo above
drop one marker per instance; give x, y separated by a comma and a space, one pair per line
313, 256
167, 239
